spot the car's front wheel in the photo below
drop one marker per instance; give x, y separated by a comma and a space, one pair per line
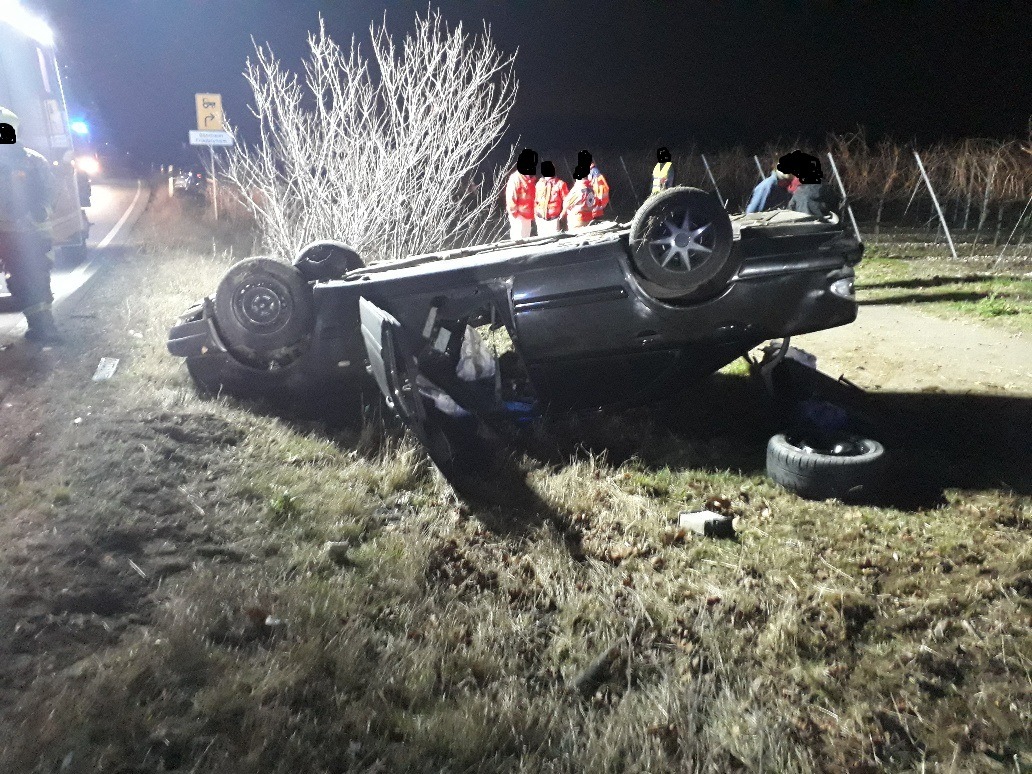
681, 244
264, 311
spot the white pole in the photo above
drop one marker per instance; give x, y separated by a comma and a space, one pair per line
935, 201
712, 179
759, 167
214, 183
845, 199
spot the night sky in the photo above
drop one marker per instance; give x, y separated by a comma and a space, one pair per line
605, 74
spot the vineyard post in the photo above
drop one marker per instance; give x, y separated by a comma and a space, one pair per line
1018, 223
967, 206
637, 201
845, 199
985, 199
712, 179
759, 167
935, 201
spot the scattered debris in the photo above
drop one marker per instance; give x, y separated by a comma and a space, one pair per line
105, 369
337, 551
707, 523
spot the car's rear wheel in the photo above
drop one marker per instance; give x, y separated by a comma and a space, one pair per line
681, 243
264, 311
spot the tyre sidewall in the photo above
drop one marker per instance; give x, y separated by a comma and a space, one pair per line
282, 280
821, 476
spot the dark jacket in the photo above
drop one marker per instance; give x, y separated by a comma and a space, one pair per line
816, 199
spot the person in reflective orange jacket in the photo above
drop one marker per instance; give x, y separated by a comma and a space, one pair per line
519, 195
579, 203
550, 194
600, 186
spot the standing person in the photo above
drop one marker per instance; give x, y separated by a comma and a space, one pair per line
25, 236
814, 197
599, 185
663, 172
580, 201
519, 195
771, 192
550, 193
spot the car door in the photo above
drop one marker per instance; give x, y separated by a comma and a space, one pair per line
392, 365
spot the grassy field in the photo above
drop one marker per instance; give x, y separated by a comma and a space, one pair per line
976, 288
564, 623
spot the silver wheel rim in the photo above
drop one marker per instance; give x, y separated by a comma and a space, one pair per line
676, 250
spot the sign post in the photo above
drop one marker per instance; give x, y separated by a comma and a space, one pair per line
211, 131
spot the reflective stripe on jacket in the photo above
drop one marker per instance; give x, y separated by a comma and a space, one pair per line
662, 177
549, 197
519, 195
25, 191
601, 188
580, 202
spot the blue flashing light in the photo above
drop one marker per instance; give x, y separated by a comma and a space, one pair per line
80, 127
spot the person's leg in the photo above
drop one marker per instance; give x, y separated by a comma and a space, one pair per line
28, 269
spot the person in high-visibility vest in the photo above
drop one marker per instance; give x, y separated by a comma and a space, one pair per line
519, 195
663, 172
579, 205
599, 185
26, 199
550, 193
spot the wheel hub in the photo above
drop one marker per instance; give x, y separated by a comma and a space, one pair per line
682, 248
261, 307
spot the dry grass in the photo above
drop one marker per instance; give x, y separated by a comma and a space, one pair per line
450, 635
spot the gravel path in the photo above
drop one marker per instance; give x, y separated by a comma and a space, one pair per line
898, 348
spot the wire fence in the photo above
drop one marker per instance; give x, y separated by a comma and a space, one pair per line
983, 186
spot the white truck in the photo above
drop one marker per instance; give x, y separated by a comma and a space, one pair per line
30, 85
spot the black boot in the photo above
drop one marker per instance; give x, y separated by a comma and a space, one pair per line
42, 328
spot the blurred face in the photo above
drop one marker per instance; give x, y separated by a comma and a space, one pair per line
8, 136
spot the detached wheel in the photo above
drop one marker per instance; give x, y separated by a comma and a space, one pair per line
263, 308
846, 469
681, 243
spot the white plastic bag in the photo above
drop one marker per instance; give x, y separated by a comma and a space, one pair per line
476, 360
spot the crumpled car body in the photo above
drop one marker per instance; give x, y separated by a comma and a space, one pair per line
616, 314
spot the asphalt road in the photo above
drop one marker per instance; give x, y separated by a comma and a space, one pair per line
115, 207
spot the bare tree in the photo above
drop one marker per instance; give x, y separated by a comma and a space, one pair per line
383, 153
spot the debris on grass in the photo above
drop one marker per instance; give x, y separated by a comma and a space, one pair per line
707, 523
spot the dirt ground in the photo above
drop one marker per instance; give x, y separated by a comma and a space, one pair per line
72, 583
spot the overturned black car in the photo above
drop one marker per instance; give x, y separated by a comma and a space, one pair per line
611, 315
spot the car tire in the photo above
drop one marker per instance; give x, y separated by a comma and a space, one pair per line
852, 470
681, 242
263, 306
327, 260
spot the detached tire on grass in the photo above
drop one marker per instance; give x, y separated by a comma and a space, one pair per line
851, 469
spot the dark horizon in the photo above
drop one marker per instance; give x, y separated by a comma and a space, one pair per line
597, 75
